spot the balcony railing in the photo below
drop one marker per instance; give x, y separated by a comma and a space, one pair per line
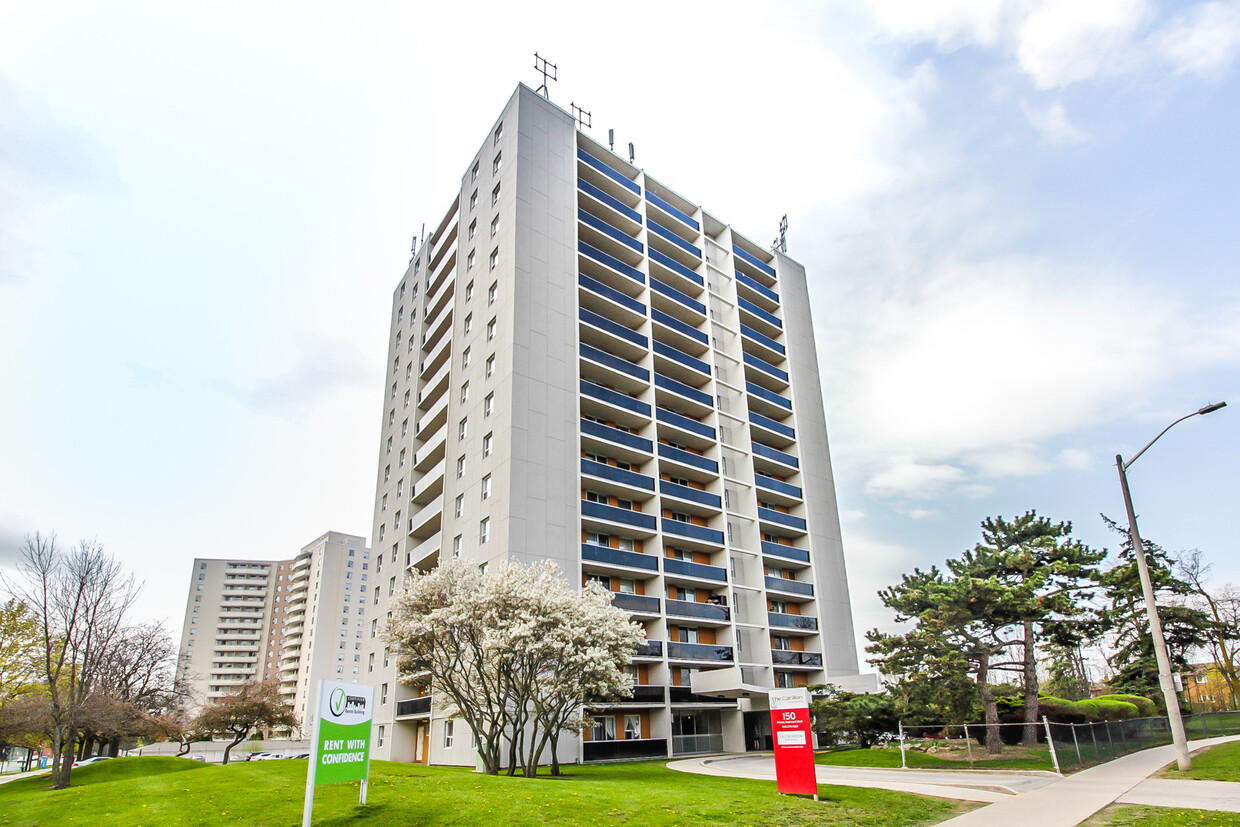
596, 429
691, 744
669, 384
670, 210
611, 261
688, 458
616, 398
694, 532
668, 235
649, 649
614, 362
699, 571
786, 657
691, 608
787, 621
753, 284
598, 165
685, 492
677, 325
596, 286
684, 695
635, 603
699, 651
611, 232
610, 200
609, 472
772, 425
765, 367
774, 455
754, 260
682, 358
763, 339
770, 515
614, 328
413, 706
677, 296
616, 557
627, 750
783, 584
674, 265
786, 552
617, 515
750, 307
685, 423
761, 392
779, 486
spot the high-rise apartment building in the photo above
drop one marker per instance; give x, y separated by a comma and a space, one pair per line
291, 621
585, 366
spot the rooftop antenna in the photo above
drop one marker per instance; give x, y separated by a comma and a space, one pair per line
611, 139
781, 242
630, 152
548, 73
581, 116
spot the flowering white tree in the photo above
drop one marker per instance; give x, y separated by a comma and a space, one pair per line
515, 653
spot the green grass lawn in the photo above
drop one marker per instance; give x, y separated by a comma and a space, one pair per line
143, 792
1129, 815
1221, 763
1015, 758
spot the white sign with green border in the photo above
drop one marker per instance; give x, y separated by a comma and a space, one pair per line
340, 746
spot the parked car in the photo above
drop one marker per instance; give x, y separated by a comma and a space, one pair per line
300, 755
94, 760
270, 756
253, 756
196, 758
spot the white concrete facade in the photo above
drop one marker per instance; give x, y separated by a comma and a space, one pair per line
585, 366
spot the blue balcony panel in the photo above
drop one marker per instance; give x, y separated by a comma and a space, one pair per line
595, 163
786, 552
692, 608
769, 396
635, 603
611, 201
649, 649
595, 286
610, 231
597, 429
668, 235
614, 328
765, 341
785, 657
674, 294
754, 260
677, 325
685, 423
775, 455
670, 210
783, 584
669, 384
617, 515
769, 318
760, 289
779, 486
610, 261
616, 557
765, 367
785, 621
689, 493
620, 400
695, 532
682, 357
614, 362
770, 515
699, 651
677, 267
770, 424
688, 458
700, 571
610, 472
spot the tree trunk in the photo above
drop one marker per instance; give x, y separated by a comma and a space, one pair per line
555, 752
994, 745
1029, 737
183, 747
60, 779
66, 769
228, 749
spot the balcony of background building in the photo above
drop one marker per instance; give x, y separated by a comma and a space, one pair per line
763, 373
434, 388
785, 554
779, 522
692, 535
601, 232
617, 481
673, 362
606, 268
771, 432
614, 371
710, 652
674, 394
680, 335
750, 263
649, 649
639, 604
792, 623
761, 320
612, 405
777, 491
685, 430
761, 345
602, 174
689, 499
430, 453
614, 442
770, 460
660, 205
787, 657
427, 520
601, 332
672, 272
610, 303
706, 613
676, 303
798, 588
413, 707
629, 749
602, 518
756, 292
693, 574
679, 462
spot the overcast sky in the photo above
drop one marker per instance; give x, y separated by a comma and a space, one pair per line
1019, 219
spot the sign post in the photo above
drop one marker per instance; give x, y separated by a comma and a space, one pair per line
340, 746
794, 749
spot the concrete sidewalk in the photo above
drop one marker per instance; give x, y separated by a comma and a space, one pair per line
1200, 795
1071, 800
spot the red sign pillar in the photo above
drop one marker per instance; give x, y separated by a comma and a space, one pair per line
794, 745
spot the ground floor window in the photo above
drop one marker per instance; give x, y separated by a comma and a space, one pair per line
604, 728
632, 726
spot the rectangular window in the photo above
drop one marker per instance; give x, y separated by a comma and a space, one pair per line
490, 330
469, 291
632, 727
495, 195
473, 200
487, 442
492, 292
494, 260
462, 428
469, 260
498, 162
473, 228
494, 226
484, 530
473, 174
456, 546
460, 466
490, 366
402, 457
459, 508
626, 544
469, 323
381, 731
604, 728
488, 405
464, 391
628, 586
499, 130
783, 642
465, 358
448, 726
486, 487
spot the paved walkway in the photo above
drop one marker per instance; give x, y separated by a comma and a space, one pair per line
1201, 795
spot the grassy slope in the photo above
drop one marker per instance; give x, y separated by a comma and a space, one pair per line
1221, 763
1127, 815
270, 793
1038, 760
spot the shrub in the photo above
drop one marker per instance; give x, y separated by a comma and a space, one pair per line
1061, 711
1100, 709
1145, 707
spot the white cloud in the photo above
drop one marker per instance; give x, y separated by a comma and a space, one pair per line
913, 479
1203, 40
1064, 41
1053, 123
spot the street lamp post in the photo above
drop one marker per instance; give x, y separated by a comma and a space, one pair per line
1165, 681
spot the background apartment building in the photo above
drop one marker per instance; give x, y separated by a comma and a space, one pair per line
260, 620
585, 366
